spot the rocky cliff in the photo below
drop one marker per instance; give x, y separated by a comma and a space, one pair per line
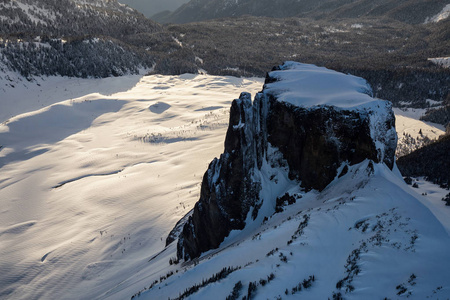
309, 122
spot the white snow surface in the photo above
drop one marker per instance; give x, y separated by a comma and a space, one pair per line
306, 85
19, 96
432, 195
407, 121
91, 182
95, 174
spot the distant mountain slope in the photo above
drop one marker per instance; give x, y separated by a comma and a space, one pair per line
440, 115
391, 55
78, 38
79, 57
71, 17
432, 162
410, 11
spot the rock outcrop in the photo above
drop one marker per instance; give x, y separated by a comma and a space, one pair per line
314, 119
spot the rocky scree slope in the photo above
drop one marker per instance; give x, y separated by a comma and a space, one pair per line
310, 121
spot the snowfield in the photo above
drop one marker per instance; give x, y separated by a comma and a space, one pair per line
95, 173
91, 186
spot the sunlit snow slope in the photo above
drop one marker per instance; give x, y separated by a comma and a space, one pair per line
413, 133
95, 173
91, 186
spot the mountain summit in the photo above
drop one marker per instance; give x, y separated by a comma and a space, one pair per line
311, 122
306, 202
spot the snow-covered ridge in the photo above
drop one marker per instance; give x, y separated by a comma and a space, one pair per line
366, 236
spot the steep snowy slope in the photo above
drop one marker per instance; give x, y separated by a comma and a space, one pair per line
310, 120
366, 236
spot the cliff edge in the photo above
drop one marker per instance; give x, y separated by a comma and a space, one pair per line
309, 123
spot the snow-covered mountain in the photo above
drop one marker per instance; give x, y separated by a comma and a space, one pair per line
96, 172
77, 38
366, 236
410, 11
443, 14
71, 17
313, 123
260, 232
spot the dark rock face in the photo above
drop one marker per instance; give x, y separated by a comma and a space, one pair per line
227, 191
314, 141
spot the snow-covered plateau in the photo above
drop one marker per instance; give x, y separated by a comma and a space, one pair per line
94, 174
